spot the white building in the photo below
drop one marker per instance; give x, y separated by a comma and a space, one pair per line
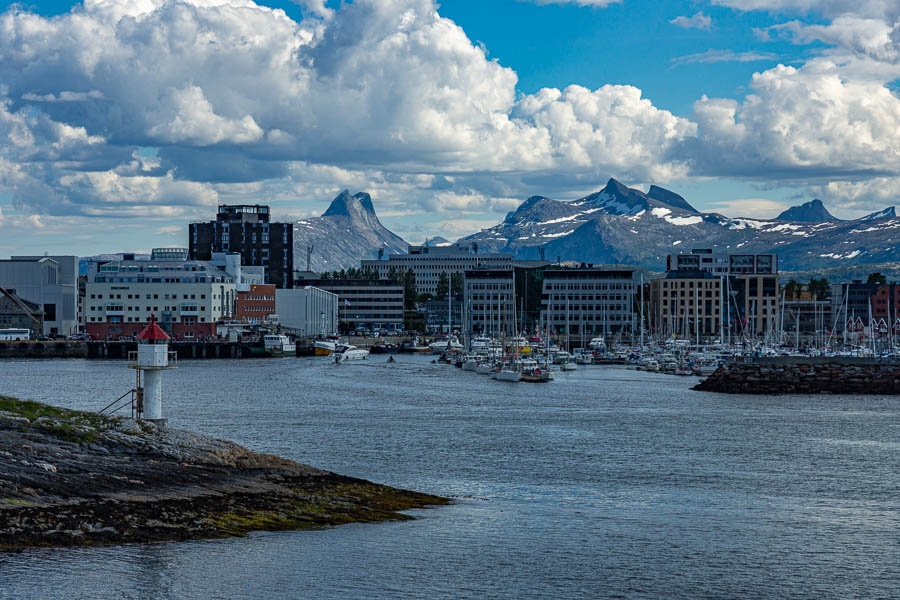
593, 301
309, 311
187, 297
428, 262
51, 282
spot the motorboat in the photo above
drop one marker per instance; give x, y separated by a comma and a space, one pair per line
346, 352
584, 357
279, 345
533, 373
445, 345
569, 365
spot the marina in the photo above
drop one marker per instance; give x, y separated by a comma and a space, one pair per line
586, 486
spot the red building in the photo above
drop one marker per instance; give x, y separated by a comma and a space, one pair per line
886, 303
255, 305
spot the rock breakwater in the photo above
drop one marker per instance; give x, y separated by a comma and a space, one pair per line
805, 377
77, 478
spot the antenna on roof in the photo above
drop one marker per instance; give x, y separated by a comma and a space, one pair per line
309, 251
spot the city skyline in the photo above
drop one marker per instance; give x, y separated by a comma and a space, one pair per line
125, 121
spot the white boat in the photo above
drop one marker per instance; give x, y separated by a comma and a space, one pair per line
652, 365
344, 353
568, 366
484, 368
470, 364
279, 345
507, 374
441, 346
597, 344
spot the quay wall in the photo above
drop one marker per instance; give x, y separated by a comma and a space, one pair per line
805, 376
53, 349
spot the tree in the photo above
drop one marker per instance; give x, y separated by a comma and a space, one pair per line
409, 290
819, 288
877, 278
792, 290
443, 287
456, 284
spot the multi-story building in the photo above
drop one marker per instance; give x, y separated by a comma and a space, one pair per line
806, 316
686, 303
750, 286
429, 262
18, 313
169, 254
308, 311
365, 303
442, 316
256, 304
488, 297
722, 264
246, 230
187, 297
591, 300
755, 304
51, 282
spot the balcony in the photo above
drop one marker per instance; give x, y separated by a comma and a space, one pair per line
189, 308
115, 309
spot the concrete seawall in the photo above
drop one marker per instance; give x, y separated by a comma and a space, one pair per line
805, 376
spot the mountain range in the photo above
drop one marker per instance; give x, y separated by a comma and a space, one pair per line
622, 225
619, 225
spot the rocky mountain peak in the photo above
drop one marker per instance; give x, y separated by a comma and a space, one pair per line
810, 212
348, 205
888, 213
670, 198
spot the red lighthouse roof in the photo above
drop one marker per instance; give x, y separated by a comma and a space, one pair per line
152, 332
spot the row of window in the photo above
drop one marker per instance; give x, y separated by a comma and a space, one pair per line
114, 319
155, 296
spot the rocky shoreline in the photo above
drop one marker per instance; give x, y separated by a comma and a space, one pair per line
70, 478
826, 376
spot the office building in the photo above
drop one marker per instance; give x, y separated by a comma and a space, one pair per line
722, 264
188, 298
256, 305
363, 303
429, 262
591, 300
246, 230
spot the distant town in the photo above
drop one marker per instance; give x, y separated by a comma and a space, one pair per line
237, 277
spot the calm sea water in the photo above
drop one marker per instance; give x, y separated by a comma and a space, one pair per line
604, 483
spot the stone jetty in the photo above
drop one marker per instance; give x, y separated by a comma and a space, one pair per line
77, 478
805, 376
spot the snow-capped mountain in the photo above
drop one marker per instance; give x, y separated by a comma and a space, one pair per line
621, 225
346, 233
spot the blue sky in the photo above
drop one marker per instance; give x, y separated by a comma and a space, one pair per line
110, 128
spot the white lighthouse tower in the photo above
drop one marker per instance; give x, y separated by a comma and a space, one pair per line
150, 360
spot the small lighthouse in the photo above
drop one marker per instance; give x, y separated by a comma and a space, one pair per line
150, 360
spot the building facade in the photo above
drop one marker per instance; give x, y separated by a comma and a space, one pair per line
308, 311
886, 303
589, 300
247, 230
442, 316
188, 298
488, 294
256, 305
722, 264
18, 313
365, 303
686, 303
429, 262
51, 282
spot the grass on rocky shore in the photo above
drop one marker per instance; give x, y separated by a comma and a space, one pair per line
71, 425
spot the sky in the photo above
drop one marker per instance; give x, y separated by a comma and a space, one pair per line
124, 120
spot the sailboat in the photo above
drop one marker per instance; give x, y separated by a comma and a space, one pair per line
569, 363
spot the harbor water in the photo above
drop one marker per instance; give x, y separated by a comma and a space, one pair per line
605, 483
